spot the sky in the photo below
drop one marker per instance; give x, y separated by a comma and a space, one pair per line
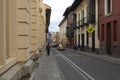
58, 7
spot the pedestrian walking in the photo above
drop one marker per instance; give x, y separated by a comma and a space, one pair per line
48, 49
75, 47
79, 47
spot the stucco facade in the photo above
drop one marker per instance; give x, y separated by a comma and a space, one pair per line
85, 40
69, 28
81, 32
81, 15
22, 30
62, 33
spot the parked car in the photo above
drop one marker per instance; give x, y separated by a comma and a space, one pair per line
61, 47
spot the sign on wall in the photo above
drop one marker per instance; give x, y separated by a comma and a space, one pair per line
90, 29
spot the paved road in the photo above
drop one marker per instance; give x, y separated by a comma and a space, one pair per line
48, 69
80, 67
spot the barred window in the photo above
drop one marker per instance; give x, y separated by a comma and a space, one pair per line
102, 30
115, 30
108, 7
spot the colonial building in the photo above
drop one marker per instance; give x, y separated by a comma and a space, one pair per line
109, 30
23, 27
81, 15
86, 16
68, 14
62, 36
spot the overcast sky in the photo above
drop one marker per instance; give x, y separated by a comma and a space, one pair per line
58, 7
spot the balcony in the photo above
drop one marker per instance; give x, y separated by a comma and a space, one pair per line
74, 25
91, 19
83, 22
91, 11
69, 32
80, 23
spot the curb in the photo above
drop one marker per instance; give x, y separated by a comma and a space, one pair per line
106, 58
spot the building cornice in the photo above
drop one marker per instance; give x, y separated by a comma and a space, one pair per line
71, 8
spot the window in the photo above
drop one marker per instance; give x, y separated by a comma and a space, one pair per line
78, 16
74, 17
115, 30
10, 30
82, 17
78, 19
79, 40
7, 30
102, 30
108, 7
82, 13
87, 38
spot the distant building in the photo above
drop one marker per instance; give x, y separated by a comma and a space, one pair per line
57, 38
53, 36
68, 14
48, 37
62, 34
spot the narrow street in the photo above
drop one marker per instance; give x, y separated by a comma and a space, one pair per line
75, 66
82, 37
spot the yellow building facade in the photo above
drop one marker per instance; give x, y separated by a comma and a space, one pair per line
22, 30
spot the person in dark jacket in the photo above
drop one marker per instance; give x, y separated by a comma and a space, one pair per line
75, 47
48, 49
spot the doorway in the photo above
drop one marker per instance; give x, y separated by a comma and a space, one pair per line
93, 41
108, 38
82, 39
79, 39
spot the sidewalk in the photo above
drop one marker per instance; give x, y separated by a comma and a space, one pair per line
107, 58
48, 69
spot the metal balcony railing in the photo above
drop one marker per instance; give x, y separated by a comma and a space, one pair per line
83, 21
91, 19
